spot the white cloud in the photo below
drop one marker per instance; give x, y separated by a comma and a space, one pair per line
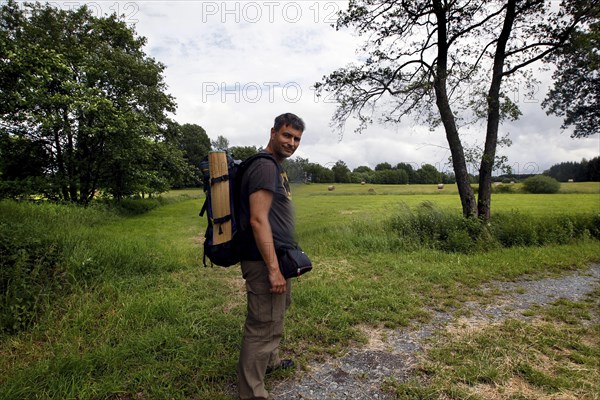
234, 65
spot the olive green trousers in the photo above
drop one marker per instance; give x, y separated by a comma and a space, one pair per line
262, 331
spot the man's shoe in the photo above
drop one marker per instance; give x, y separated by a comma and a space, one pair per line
284, 364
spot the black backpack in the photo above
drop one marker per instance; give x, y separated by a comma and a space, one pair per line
228, 253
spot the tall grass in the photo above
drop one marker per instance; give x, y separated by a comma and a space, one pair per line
37, 242
49, 249
430, 227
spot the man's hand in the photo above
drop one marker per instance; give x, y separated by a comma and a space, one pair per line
278, 282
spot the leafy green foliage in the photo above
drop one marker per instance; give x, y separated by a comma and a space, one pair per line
30, 272
575, 95
319, 174
195, 145
243, 152
341, 172
82, 87
541, 184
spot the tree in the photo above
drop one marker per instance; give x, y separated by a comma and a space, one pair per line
578, 171
318, 174
362, 169
383, 166
22, 166
428, 174
389, 176
575, 95
341, 172
243, 152
195, 145
361, 177
83, 87
296, 168
593, 170
473, 155
220, 144
445, 63
410, 171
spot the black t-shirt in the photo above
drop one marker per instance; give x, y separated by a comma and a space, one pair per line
264, 174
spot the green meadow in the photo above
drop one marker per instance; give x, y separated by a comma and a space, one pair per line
124, 308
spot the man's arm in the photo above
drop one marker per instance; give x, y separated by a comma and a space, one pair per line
260, 206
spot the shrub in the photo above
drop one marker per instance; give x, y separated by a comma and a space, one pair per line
559, 230
137, 206
514, 229
430, 227
594, 226
30, 271
458, 241
35, 258
541, 184
502, 188
48, 250
32, 264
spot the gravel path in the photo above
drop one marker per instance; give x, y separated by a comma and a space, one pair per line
359, 374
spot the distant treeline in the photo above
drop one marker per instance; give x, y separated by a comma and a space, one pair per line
301, 170
584, 171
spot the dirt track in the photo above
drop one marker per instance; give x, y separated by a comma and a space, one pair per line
359, 374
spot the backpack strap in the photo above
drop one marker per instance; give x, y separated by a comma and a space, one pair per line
247, 247
218, 179
262, 154
248, 161
204, 207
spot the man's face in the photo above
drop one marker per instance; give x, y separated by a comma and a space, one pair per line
285, 141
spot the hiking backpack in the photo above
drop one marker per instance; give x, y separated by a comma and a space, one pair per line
229, 252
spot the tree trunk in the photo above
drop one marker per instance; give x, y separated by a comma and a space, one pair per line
60, 164
463, 183
70, 161
493, 120
85, 158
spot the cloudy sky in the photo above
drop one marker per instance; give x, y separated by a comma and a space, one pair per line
234, 65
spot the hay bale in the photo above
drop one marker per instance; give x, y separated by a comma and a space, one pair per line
330, 188
440, 186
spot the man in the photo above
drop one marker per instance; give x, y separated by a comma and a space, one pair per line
266, 211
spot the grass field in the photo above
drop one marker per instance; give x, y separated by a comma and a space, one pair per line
145, 320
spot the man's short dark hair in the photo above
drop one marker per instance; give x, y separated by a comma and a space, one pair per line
289, 119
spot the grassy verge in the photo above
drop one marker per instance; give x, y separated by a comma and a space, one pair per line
144, 320
555, 355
